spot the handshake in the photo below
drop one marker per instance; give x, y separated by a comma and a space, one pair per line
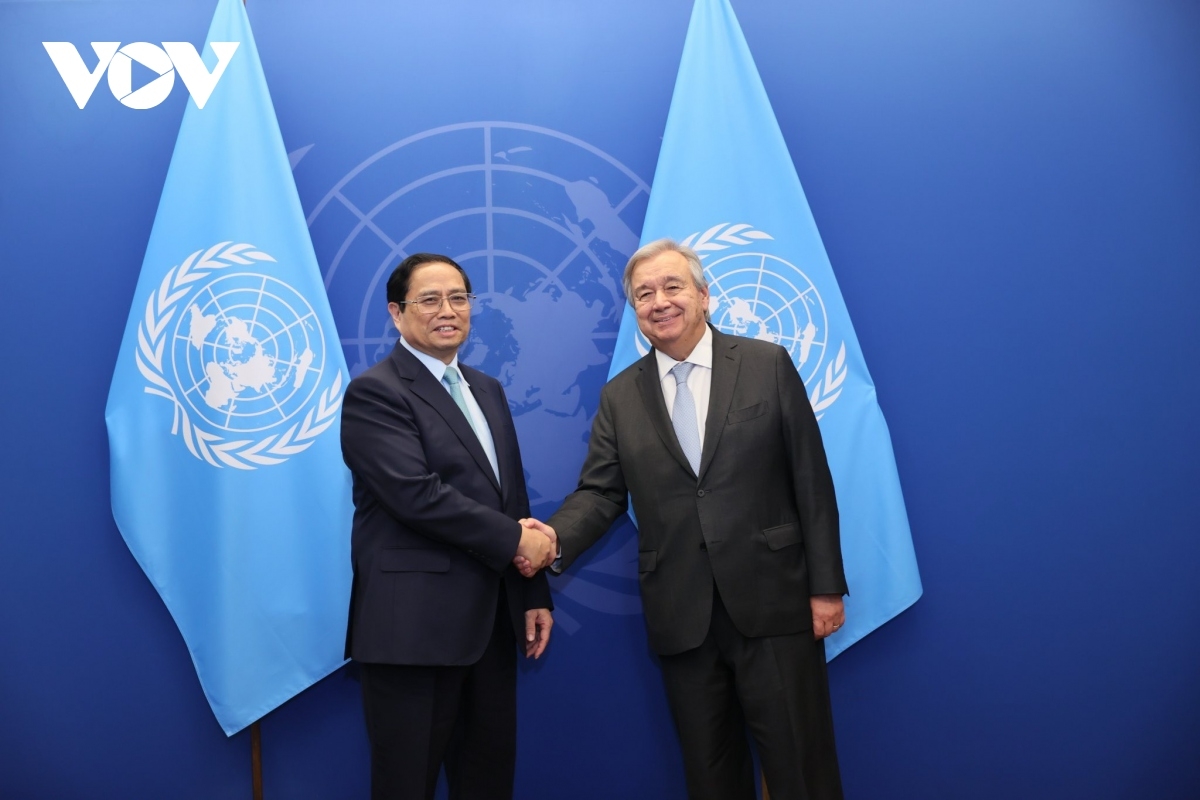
538, 548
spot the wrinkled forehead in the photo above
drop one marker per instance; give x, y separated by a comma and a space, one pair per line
656, 272
434, 278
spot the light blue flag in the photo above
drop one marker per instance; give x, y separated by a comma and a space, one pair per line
726, 186
223, 416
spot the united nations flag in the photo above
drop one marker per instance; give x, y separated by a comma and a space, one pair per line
726, 186
227, 478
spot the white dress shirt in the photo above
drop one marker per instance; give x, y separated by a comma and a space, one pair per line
479, 421
699, 382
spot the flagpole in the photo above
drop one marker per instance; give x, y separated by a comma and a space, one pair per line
256, 736
256, 760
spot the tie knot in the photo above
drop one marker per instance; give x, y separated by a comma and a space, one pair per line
681, 371
451, 376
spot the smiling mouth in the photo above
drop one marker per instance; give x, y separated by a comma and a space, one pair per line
445, 329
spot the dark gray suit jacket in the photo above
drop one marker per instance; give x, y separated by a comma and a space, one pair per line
434, 534
760, 520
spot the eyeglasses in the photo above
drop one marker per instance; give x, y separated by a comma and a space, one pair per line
432, 303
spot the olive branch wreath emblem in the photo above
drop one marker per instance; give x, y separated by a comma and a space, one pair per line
725, 235
246, 454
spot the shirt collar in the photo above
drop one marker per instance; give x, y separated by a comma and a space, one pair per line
701, 355
436, 365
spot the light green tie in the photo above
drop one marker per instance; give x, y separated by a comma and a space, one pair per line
453, 382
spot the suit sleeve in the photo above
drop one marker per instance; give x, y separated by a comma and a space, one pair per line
601, 496
382, 446
535, 591
815, 499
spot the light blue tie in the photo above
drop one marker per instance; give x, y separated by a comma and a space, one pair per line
683, 416
453, 382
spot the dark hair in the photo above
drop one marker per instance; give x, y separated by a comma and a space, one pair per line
397, 285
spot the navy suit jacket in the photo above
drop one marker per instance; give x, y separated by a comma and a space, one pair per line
434, 534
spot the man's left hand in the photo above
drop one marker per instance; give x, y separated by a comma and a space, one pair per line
538, 623
829, 614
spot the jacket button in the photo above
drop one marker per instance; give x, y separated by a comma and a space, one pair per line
699, 493
704, 545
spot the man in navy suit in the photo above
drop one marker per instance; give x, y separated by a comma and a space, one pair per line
436, 604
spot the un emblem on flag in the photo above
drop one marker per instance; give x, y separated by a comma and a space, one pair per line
763, 296
241, 355
247, 352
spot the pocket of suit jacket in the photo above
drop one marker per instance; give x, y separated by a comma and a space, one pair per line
746, 414
782, 536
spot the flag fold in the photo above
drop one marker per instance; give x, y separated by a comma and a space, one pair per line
726, 186
223, 414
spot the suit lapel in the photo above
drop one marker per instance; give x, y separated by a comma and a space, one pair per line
425, 386
725, 364
656, 408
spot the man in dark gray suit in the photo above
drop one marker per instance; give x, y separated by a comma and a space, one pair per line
739, 558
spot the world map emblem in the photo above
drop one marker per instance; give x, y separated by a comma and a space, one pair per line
543, 223
241, 355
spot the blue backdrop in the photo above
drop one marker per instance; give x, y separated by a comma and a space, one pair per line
1008, 193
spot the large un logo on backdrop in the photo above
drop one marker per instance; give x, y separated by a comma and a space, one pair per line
541, 223
241, 354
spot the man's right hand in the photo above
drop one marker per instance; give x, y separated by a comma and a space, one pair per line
537, 549
538, 534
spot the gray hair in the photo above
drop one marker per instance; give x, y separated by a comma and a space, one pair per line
657, 248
